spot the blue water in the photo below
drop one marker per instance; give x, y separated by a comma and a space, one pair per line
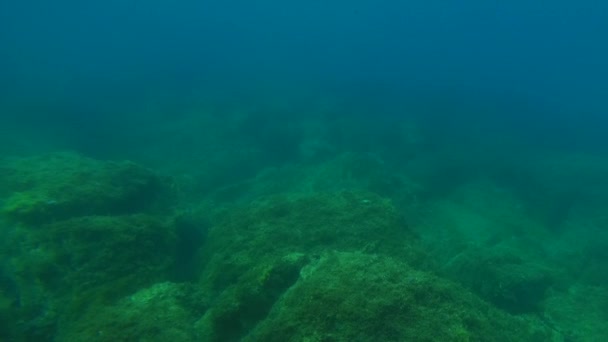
545, 55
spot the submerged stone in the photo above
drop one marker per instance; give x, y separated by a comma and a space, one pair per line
504, 277
161, 312
65, 185
361, 297
266, 231
69, 267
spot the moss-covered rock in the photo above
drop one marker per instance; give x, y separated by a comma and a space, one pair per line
64, 185
70, 266
98, 251
162, 312
360, 297
504, 277
255, 253
477, 213
7, 319
267, 230
335, 267
242, 305
580, 313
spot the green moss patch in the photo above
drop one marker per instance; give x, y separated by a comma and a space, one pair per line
64, 185
268, 230
360, 297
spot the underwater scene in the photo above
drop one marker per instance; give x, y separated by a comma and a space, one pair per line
304, 171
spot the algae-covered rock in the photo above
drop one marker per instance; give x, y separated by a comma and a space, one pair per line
98, 252
478, 213
83, 234
162, 312
580, 313
279, 226
504, 277
70, 266
360, 297
255, 253
64, 185
335, 267
7, 320
242, 305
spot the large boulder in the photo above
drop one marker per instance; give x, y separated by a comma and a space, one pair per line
267, 230
65, 185
162, 312
67, 267
362, 297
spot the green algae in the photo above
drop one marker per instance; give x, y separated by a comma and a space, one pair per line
71, 265
161, 312
504, 277
338, 249
278, 226
362, 297
65, 185
80, 236
242, 305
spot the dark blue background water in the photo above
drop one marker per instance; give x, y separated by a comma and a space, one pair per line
536, 69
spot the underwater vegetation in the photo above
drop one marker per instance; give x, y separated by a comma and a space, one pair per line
341, 244
81, 235
379, 298
61, 186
